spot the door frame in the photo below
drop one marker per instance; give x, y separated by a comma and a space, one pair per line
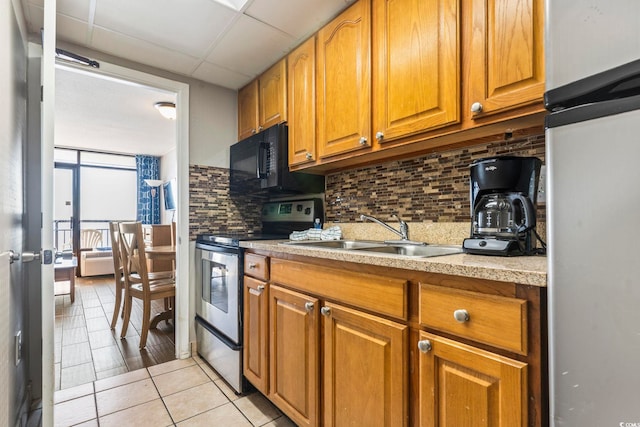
181, 90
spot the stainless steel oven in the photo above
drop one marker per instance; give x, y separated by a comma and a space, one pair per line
219, 273
218, 302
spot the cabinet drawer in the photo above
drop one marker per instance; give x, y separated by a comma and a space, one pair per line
384, 295
256, 266
491, 319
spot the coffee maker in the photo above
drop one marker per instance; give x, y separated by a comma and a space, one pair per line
503, 206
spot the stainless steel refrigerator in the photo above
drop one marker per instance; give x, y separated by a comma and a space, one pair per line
592, 54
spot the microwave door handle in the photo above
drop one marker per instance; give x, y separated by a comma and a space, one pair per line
262, 154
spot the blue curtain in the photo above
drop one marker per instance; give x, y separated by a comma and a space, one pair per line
148, 167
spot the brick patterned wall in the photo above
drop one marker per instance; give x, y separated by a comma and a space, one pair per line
434, 187
213, 210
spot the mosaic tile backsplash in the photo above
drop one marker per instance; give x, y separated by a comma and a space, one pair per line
431, 188
434, 187
213, 210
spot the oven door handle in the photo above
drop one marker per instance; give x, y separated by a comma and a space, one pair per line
222, 337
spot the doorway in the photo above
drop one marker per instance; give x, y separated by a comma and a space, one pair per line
178, 170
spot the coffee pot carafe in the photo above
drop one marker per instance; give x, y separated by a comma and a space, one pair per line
503, 215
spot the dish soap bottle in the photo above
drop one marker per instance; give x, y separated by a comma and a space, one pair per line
317, 224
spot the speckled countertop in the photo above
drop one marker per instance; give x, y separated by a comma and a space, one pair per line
531, 270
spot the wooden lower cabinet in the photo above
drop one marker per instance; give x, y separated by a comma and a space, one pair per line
364, 369
460, 385
294, 355
256, 333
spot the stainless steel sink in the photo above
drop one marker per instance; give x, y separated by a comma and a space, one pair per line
381, 247
414, 251
336, 244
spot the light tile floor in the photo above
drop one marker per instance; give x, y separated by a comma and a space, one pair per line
184, 393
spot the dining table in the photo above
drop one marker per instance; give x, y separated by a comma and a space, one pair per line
168, 253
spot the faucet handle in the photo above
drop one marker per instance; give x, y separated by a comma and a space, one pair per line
404, 228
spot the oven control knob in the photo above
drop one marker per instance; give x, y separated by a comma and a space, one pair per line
308, 306
326, 311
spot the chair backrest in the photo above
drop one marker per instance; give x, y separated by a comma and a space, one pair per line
134, 259
90, 239
114, 233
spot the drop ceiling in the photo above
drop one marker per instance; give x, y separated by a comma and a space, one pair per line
221, 42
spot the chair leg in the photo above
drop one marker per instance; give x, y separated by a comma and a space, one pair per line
128, 302
116, 308
146, 321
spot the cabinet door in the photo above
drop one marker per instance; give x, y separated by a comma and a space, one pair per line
272, 100
301, 97
344, 82
416, 62
294, 354
505, 67
256, 333
365, 369
460, 385
248, 110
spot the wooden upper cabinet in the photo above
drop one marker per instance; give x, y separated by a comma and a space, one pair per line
272, 101
301, 97
263, 102
504, 67
248, 110
460, 385
344, 82
416, 83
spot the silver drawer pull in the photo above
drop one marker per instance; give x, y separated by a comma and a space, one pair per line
461, 315
260, 287
326, 311
252, 266
308, 306
424, 346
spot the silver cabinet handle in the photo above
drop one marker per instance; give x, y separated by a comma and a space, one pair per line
260, 288
253, 131
424, 346
379, 136
252, 266
308, 306
309, 156
326, 311
260, 128
461, 315
476, 107
363, 140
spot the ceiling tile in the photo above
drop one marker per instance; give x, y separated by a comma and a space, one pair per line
78, 9
188, 26
214, 74
71, 30
298, 21
142, 52
250, 46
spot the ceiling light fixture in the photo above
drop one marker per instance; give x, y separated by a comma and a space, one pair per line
167, 109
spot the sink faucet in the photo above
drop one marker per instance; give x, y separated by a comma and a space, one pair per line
404, 228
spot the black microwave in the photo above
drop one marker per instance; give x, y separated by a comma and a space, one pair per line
259, 163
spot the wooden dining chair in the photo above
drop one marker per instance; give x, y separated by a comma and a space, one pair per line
137, 281
118, 272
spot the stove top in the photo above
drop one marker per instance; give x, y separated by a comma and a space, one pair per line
279, 219
234, 239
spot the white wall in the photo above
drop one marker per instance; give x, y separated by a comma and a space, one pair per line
212, 110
